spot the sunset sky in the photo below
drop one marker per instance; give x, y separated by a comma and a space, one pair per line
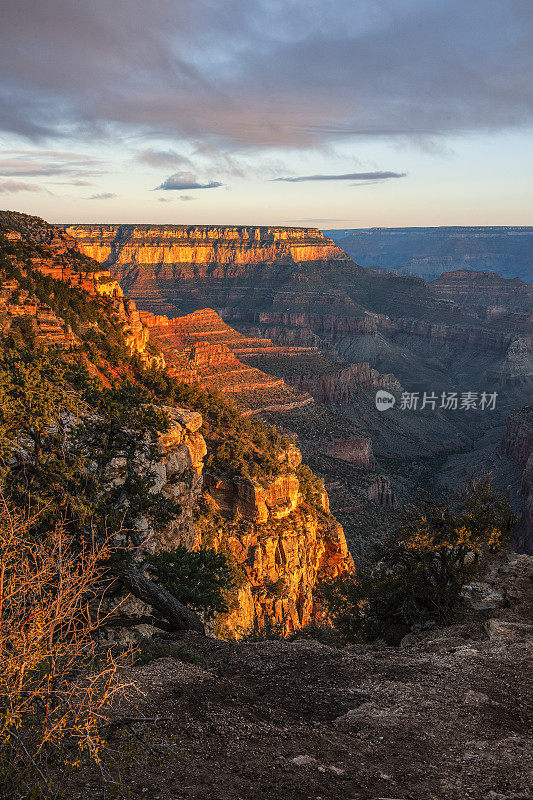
354, 113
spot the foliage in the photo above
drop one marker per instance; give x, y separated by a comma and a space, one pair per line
54, 691
197, 579
238, 445
311, 487
269, 632
418, 571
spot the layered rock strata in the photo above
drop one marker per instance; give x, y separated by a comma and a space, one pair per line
59, 259
218, 251
201, 347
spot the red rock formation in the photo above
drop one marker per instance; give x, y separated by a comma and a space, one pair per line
200, 346
59, 259
220, 251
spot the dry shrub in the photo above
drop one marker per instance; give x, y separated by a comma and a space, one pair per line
56, 688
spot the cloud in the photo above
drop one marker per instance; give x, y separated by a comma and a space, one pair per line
186, 180
47, 164
186, 198
289, 74
103, 196
10, 187
347, 176
163, 158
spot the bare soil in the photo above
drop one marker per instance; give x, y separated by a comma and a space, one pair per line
449, 716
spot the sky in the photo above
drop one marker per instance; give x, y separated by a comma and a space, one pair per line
353, 113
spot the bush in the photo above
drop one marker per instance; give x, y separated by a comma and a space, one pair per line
418, 571
55, 688
197, 579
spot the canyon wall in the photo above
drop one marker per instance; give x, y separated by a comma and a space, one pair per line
517, 444
297, 278
429, 251
334, 327
219, 251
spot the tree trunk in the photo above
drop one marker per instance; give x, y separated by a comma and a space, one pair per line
179, 616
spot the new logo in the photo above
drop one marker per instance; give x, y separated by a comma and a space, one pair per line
384, 400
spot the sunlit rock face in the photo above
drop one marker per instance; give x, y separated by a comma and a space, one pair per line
282, 561
149, 259
58, 258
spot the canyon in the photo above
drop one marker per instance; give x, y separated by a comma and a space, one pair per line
428, 252
315, 335
281, 536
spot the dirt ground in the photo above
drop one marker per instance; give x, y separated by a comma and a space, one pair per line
449, 716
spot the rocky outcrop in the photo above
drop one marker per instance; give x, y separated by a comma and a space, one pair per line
281, 563
176, 472
59, 259
517, 444
282, 544
17, 303
381, 492
485, 295
343, 385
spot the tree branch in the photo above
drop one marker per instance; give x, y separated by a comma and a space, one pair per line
179, 616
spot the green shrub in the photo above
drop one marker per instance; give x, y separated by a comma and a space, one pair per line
197, 579
418, 571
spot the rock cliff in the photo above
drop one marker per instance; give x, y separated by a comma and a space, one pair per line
201, 347
430, 251
219, 251
486, 295
517, 444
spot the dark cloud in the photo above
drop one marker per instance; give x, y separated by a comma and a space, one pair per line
186, 198
347, 176
103, 196
10, 187
256, 73
186, 180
